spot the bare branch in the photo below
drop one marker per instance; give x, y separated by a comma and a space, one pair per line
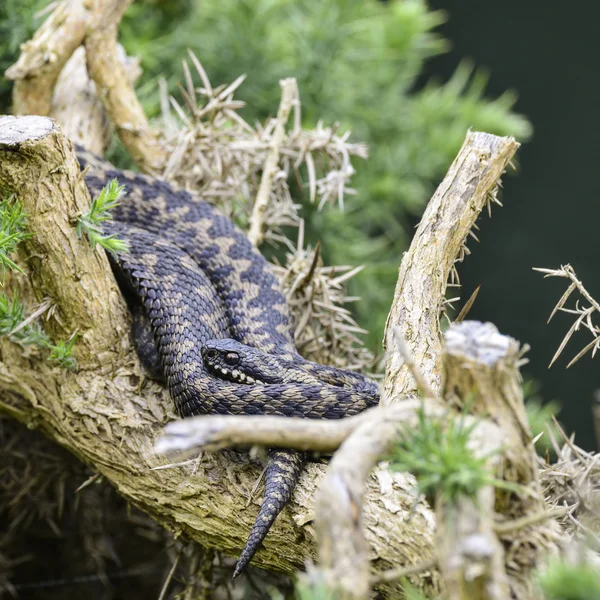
427, 265
289, 97
584, 314
76, 106
114, 88
43, 57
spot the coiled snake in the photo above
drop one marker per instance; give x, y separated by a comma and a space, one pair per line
210, 319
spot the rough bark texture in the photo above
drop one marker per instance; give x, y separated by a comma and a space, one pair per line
37, 162
114, 89
43, 57
481, 365
437, 244
110, 416
75, 104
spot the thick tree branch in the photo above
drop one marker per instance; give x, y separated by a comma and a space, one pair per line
43, 57
438, 242
114, 88
37, 163
481, 368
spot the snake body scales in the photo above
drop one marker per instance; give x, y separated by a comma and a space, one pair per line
211, 321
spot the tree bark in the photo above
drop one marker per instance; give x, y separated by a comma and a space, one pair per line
110, 416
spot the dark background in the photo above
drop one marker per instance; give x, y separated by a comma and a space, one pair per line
549, 52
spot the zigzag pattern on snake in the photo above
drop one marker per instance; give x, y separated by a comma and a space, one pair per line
210, 319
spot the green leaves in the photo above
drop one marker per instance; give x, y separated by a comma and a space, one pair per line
61, 353
91, 221
12, 231
437, 453
25, 331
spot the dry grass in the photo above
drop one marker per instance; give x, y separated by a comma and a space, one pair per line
214, 151
572, 482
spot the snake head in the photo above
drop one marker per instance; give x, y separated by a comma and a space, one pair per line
233, 361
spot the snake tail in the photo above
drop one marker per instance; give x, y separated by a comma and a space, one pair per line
283, 471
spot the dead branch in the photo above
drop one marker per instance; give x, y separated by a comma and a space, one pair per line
77, 108
584, 314
437, 244
72, 23
481, 369
43, 57
113, 87
289, 97
471, 558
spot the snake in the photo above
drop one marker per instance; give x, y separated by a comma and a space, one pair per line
210, 320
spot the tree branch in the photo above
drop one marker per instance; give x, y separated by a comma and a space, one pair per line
114, 88
289, 97
76, 106
37, 163
437, 244
481, 367
43, 57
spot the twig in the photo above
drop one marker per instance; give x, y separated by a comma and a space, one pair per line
165, 587
584, 315
401, 572
289, 96
527, 520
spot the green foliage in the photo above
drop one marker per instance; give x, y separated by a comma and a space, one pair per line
12, 314
357, 62
564, 581
14, 324
91, 221
437, 453
540, 415
62, 354
12, 232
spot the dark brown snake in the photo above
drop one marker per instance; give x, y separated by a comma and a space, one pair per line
210, 320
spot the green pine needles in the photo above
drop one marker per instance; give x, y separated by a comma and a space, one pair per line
91, 221
26, 332
12, 232
437, 453
13, 321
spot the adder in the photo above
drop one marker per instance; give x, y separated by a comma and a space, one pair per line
210, 320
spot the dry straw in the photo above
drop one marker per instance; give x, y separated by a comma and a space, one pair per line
245, 170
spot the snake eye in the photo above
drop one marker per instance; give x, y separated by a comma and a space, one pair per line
232, 359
